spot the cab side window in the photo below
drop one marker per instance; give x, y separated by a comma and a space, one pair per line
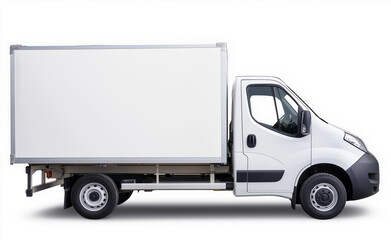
262, 106
273, 108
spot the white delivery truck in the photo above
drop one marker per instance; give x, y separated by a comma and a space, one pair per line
103, 121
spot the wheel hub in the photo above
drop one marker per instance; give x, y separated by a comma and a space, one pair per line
93, 196
324, 197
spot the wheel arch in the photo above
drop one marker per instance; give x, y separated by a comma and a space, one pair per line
325, 168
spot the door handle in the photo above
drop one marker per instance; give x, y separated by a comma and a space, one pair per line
251, 141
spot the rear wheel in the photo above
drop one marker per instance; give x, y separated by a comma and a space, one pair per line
94, 196
323, 196
124, 196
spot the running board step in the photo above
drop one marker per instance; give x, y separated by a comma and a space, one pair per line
175, 186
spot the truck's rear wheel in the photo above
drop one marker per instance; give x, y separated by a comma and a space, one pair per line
94, 196
123, 196
323, 196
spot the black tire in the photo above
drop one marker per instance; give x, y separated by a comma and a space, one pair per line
124, 196
323, 196
94, 196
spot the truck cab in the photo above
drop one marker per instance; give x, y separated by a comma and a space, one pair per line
280, 147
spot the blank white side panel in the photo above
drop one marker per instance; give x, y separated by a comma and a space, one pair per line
132, 104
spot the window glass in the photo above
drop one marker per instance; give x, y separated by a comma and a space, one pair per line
292, 103
263, 110
262, 105
287, 113
273, 108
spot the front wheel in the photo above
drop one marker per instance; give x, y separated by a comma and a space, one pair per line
94, 196
323, 196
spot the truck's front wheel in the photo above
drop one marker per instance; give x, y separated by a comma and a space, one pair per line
323, 196
94, 196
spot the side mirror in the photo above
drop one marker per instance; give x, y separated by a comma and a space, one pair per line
305, 126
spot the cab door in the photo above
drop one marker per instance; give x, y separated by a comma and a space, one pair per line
276, 150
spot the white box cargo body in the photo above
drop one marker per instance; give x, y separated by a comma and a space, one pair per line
119, 104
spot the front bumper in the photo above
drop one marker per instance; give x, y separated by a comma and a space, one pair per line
364, 176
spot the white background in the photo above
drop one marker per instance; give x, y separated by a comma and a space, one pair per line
335, 54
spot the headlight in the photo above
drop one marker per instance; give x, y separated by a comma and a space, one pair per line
355, 141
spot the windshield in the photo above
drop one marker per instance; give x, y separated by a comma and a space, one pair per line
305, 104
